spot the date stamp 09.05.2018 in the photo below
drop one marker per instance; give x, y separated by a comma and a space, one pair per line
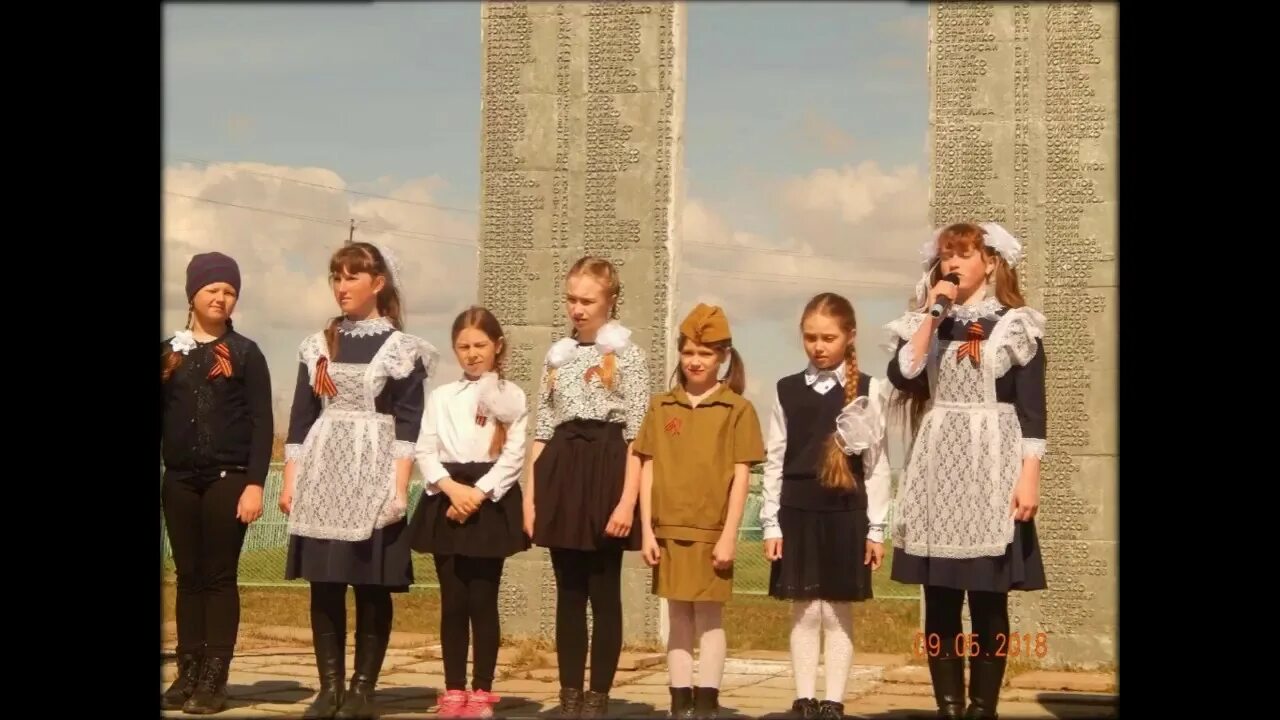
968, 645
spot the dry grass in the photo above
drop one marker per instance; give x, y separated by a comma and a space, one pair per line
879, 626
754, 623
531, 654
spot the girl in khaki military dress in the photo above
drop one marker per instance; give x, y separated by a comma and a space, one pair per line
697, 444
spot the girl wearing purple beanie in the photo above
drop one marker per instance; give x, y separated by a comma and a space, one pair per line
215, 405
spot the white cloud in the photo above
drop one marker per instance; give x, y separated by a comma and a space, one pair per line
281, 224
853, 229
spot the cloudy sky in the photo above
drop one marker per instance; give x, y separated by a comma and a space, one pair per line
805, 162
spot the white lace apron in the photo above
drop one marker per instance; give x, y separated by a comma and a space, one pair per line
346, 476
954, 501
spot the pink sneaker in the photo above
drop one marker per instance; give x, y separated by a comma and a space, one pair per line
452, 705
480, 703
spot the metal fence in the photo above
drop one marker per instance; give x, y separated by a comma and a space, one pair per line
262, 559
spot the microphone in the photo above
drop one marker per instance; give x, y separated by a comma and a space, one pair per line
941, 303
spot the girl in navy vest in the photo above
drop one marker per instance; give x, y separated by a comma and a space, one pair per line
826, 495
972, 381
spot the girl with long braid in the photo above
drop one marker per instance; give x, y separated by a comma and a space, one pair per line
826, 497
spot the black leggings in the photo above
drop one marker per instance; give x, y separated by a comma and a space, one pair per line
469, 608
582, 576
206, 537
329, 609
988, 613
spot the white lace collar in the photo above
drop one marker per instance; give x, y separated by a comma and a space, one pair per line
362, 328
988, 308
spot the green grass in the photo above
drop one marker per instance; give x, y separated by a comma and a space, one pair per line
751, 573
266, 567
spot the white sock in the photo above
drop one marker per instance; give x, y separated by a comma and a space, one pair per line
837, 630
680, 643
711, 643
806, 639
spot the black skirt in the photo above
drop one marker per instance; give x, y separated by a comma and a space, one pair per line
383, 559
1019, 568
822, 556
496, 530
578, 482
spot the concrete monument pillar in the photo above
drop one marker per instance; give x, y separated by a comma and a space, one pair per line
1022, 121
583, 107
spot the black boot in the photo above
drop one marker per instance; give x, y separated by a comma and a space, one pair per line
830, 710
805, 708
358, 704
706, 703
331, 650
210, 695
570, 703
986, 675
948, 685
185, 684
595, 705
681, 702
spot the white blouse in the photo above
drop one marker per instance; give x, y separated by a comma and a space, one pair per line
450, 434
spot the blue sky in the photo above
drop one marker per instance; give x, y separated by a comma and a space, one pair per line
805, 133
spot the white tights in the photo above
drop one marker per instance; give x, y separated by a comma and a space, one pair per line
810, 619
701, 620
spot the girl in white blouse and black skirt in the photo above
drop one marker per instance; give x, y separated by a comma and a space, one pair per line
471, 455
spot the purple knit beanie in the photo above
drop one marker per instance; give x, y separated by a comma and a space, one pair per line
208, 268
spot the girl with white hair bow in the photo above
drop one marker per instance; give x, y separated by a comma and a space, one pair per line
357, 410
972, 379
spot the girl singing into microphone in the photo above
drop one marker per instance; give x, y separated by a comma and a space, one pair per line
972, 384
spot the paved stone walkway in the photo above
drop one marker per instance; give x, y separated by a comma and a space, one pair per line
275, 680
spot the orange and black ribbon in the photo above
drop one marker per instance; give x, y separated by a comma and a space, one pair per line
324, 386
972, 348
221, 362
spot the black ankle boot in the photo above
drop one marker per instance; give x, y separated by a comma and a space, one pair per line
185, 683
948, 685
210, 695
986, 675
331, 650
570, 703
681, 702
706, 703
805, 708
830, 710
594, 704
358, 704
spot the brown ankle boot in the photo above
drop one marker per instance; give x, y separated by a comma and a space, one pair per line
594, 704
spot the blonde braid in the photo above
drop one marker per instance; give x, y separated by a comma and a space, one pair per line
835, 465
